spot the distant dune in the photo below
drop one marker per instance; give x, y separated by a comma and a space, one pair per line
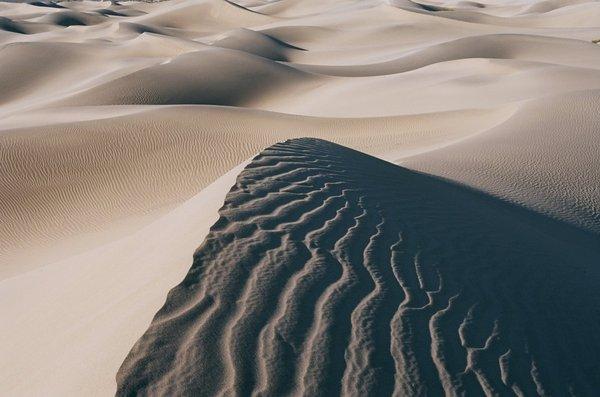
123, 126
332, 272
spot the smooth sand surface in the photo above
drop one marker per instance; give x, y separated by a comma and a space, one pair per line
124, 125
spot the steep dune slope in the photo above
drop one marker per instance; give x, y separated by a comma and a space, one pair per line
505, 46
117, 117
330, 272
256, 43
149, 160
71, 18
85, 311
215, 76
18, 77
545, 157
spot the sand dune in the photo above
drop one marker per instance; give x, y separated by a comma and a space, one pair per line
124, 124
521, 47
85, 311
71, 18
332, 272
548, 164
257, 43
203, 16
38, 223
214, 76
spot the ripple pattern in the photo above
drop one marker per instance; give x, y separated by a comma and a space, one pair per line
331, 272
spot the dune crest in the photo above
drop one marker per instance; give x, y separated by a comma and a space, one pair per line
332, 272
123, 125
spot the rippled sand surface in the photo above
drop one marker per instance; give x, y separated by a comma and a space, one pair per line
427, 221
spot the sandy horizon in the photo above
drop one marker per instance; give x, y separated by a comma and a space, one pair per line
316, 197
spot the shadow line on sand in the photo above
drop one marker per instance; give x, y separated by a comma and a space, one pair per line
333, 272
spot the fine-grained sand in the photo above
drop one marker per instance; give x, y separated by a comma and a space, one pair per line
123, 127
332, 272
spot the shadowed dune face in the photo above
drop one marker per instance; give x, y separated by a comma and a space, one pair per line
123, 125
129, 167
559, 150
71, 18
10, 26
214, 76
332, 272
256, 43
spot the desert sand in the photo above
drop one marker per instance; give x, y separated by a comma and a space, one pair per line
332, 272
427, 221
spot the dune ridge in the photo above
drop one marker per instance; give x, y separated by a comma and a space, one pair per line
123, 124
129, 194
332, 272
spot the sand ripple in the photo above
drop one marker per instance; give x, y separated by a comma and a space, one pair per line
332, 272
123, 125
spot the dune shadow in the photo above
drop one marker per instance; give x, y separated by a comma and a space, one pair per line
332, 272
9, 25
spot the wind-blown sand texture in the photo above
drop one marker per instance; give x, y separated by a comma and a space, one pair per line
124, 125
332, 272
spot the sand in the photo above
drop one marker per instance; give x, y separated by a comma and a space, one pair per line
123, 127
332, 272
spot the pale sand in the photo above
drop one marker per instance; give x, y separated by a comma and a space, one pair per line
114, 119
85, 311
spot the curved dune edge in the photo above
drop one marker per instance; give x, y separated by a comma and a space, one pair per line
137, 166
547, 164
115, 115
93, 306
330, 271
